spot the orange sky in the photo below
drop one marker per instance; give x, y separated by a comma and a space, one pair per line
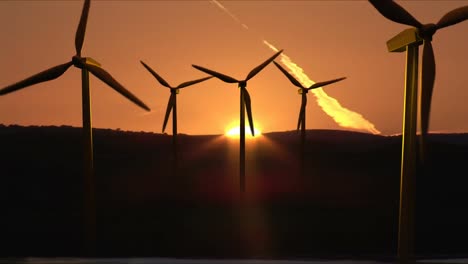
328, 39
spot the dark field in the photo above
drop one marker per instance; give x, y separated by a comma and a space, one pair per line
344, 205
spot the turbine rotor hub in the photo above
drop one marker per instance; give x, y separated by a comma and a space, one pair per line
242, 84
78, 61
427, 31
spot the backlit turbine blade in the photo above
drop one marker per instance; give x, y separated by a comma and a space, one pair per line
185, 84
290, 77
248, 108
427, 86
159, 78
43, 76
109, 80
260, 67
300, 121
321, 84
394, 12
81, 30
218, 75
170, 105
453, 17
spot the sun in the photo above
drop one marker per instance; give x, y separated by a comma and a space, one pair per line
233, 131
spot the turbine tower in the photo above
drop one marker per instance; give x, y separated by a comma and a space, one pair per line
409, 40
172, 106
245, 104
301, 122
87, 65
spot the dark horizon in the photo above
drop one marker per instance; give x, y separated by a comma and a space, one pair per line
350, 190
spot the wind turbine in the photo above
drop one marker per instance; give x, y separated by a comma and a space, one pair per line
86, 65
409, 40
301, 122
245, 104
172, 106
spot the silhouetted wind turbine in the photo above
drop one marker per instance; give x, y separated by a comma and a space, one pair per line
86, 65
172, 106
301, 122
245, 104
409, 41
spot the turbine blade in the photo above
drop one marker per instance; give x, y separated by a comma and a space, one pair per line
218, 75
185, 84
427, 86
260, 67
325, 83
290, 77
395, 13
248, 107
159, 78
43, 76
170, 105
300, 121
453, 17
81, 30
109, 80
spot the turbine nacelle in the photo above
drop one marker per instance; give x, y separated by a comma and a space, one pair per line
411, 36
91, 61
405, 38
408, 41
79, 61
175, 90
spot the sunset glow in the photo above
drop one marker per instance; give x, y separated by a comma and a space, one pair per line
341, 115
226, 36
234, 132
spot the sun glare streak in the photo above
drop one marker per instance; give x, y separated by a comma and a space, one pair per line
234, 132
342, 116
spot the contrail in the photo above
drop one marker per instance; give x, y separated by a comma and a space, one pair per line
218, 4
341, 115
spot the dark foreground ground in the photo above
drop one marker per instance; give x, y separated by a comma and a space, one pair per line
344, 205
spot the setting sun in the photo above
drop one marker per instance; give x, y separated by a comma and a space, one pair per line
233, 131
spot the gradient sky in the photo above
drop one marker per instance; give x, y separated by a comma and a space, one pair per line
328, 39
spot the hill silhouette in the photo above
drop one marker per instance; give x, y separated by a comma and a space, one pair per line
345, 203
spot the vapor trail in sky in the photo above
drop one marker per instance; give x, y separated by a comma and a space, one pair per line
341, 115
218, 4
